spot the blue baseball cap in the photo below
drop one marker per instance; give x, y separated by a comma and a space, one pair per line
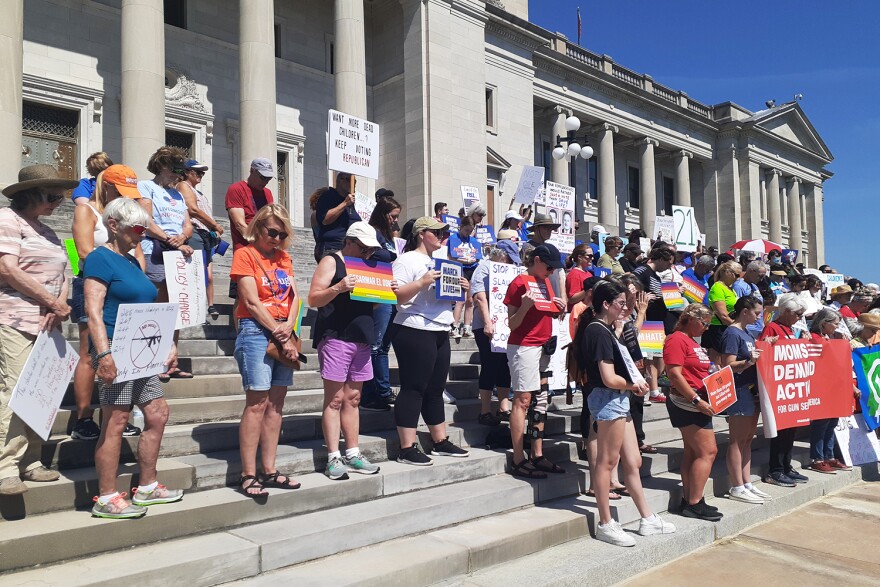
511, 249
195, 165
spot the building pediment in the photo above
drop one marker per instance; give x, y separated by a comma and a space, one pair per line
789, 123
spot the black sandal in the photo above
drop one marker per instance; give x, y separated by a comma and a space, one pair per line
542, 463
526, 470
213, 312
244, 487
271, 480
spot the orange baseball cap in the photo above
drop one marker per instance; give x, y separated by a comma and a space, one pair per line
125, 180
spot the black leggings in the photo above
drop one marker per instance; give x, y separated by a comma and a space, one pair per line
494, 370
637, 411
423, 362
780, 450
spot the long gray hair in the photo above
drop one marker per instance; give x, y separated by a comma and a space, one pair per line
821, 317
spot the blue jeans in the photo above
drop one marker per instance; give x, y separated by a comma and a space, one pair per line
380, 386
822, 439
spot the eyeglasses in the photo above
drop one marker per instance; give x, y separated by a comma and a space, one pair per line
705, 324
621, 303
439, 233
138, 229
272, 233
366, 251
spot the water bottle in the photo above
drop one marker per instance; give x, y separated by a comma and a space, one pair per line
137, 417
713, 368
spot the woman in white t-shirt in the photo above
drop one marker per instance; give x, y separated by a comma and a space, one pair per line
421, 343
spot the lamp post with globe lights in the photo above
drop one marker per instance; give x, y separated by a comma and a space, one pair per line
573, 148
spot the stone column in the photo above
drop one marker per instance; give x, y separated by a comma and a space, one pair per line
256, 62
683, 178
607, 194
774, 207
559, 168
647, 184
11, 35
816, 227
795, 235
143, 82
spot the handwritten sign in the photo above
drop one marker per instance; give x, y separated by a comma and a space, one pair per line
651, 338
672, 296
685, 229
694, 290
634, 374
142, 339
720, 388
559, 201
530, 183
664, 228
543, 295
364, 206
352, 145
469, 195
373, 281
40, 387
858, 445
449, 283
500, 277
186, 286
645, 245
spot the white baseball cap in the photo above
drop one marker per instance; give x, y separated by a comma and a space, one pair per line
512, 214
263, 167
364, 233
599, 228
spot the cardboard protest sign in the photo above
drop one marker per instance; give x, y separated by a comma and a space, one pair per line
451, 220
543, 293
352, 145
142, 339
373, 281
664, 229
720, 388
530, 182
672, 296
40, 387
72, 255
685, 229
800, 381
469, 195
449, 283
693, 289
364, 205
185, 278
857, 444
500, 277
560, 207
652, 335
866, 365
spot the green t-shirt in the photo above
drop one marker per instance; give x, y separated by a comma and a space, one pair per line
721, 293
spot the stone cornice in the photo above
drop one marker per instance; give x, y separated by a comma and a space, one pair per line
512, 33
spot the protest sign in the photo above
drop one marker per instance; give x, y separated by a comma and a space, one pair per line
464, 250
832, 280
364, 205
373, 280
866, 365
142, 339
185, 278
671, 296
645, 245
720, 389
72, 255
40, 387
449, 283
693, 289
634, 373
557, 367
500, 276
652, 335
530, 182
300, 312
485, 235
664, 228
600, 271
543, 294
685, 229
469, 195
789, 256
800, 381
560, 207
858, 445
399, 244
451, 220
540, 198
352, 145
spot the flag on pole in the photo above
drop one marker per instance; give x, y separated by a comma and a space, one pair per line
579, 24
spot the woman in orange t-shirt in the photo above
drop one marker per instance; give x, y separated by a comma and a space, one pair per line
266, 293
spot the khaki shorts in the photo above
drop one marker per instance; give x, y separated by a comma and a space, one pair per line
526, 365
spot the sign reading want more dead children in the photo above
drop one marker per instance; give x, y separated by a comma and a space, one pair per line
353, 145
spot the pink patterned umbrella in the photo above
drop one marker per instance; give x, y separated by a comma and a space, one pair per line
758, 246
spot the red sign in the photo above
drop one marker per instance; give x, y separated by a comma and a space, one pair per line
803, 380
542, 293
719, 386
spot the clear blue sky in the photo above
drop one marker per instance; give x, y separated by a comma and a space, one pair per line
748, 52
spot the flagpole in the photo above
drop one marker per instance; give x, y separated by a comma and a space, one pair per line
579, 25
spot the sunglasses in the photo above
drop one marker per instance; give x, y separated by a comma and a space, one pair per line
439, 233
199, 173
272, 233
52, 198
365, 250
138, 229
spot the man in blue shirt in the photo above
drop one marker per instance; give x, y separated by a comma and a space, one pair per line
747, 285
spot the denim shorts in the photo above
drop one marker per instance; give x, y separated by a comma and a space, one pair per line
78, 306
258, 372
608, 404
746, 403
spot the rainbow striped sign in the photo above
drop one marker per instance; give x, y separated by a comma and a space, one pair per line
373, 281
694, 291
651, 338
671, 296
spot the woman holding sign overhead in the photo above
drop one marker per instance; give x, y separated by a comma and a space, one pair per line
421, 343
344, 335
113, 277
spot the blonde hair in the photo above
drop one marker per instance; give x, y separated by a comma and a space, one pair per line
100, 196
692, 312
276, 211
727, 267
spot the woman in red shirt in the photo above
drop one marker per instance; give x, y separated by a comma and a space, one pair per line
578, 263
687, 364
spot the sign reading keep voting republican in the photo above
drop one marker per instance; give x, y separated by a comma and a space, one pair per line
353, 145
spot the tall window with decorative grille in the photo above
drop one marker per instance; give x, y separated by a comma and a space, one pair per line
181, 140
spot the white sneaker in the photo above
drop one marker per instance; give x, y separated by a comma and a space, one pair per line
761, 494
466, 331
658, 526
448, 398
613, 533
744, 495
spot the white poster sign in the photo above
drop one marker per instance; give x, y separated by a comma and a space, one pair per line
530, 183
500, 276
364, 205
634, 374
559, 378
40, 387
469, 195
685, 229
352, 145
186, 287
857, 444
645, 245
664, 228
142, 339
560, 207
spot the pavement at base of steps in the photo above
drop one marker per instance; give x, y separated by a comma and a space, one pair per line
832, 540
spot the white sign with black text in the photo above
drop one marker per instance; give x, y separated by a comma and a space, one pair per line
500, 276
185, 278
142, 339
353, 145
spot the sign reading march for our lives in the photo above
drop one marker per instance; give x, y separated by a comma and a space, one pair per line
685, 229
449, 283
40, 387
559, 205
372, 281
485, 234
451, 220
866, 365
186, 286
500, 277
799, 381
142, 339
530, 183
352, 145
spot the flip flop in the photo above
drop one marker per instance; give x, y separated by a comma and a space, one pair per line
648, 449
611, 495
621, 491
178, 374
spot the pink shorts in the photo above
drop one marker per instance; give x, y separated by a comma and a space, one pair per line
344, 361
